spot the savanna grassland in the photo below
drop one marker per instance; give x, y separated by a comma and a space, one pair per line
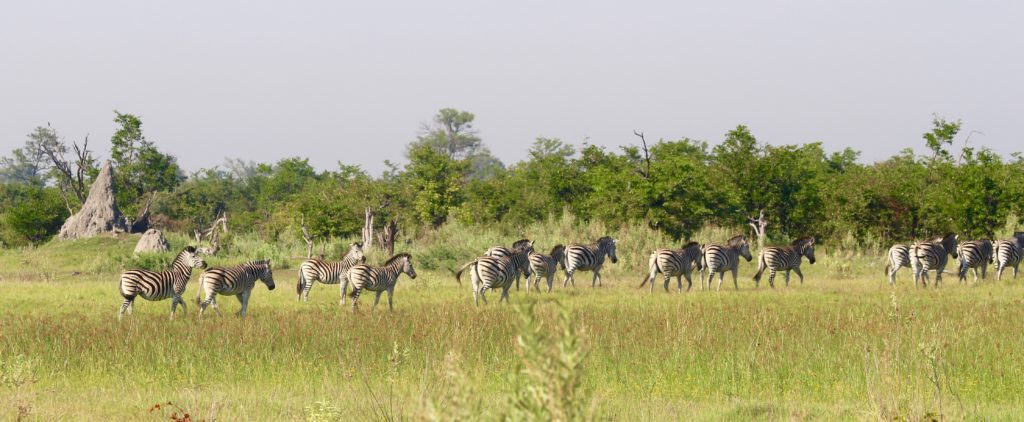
843, 345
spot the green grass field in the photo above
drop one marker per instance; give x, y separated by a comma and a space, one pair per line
844, 345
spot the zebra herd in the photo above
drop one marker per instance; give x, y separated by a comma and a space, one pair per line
500, 266
933, 255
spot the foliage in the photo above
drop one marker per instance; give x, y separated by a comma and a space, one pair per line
140, 167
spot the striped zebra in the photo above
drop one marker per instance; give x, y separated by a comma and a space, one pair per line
328, 272
545, 266
495, 272
234, 281
379, 279
588, 258
932, 255
899, 257
784, 258
676, 263
1008, 254
503, 251
717, 259
974, 254
154, 286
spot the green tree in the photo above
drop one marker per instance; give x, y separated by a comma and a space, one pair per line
452, 134
141, 168
437, 183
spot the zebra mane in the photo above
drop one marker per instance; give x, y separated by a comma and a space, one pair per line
557, 248
395, 258
520, 243
605, 239
737, 240
691, 244
802, 240
189, 249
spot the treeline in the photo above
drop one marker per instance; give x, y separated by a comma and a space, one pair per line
675, 186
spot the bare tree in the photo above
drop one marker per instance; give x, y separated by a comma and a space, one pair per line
387, 237
71, 175
647, 155
307, 237
368, 228
211, 232
758, 224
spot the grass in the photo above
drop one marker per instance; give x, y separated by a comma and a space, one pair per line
844, 345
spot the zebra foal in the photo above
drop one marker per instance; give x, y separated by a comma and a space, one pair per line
495, 272
676, 263
379, 279
784, 258
974, 254
160, 285
327, 272
235, 281
721, 258
545, 266
588, 258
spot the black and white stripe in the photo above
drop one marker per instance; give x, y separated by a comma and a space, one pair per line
379, 279
974, 254
545, 266
784, 258
899, 257
328, 272
494, 272
1008, 253
154, 285
500, 251
588, 258
721, 258
676, 263
235, 281
932, 256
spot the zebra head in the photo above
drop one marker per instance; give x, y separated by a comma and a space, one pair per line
521, 257
806, 248
607, 244
695, 250
949, 242
355, 253
742, 245
190, 257
558, 254
266, 275
521, 243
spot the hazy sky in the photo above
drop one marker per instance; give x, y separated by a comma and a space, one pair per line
353, 81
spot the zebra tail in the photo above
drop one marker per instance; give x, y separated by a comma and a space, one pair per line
887, 266
199, 292
760, 267
653, 264
458, 274
301, 283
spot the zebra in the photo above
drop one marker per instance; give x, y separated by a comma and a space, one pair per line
316, 269
588, 258
379, 279
721, 258
974, 254
503, 251
235, 281
676, 263
899, 257
155, 286
495, 272
545, 266
932, 255
779, 258
1008, 254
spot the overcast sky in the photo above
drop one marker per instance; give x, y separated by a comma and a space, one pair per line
352, 81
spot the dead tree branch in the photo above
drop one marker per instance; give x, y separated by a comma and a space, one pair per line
307, 237
647, 155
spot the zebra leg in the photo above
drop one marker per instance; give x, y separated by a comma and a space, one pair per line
735, 284
376, 300
689, 281
504, 294
568, 277
243, 299
787, 278
306, 289
551, 280
596, 280
343, 285
355, 298
174, 306
679, 283
668, 280
984, 267
391, 292
798, 273
1014, 277
125, 306
771, 278
721, 276
892, 274
205, 304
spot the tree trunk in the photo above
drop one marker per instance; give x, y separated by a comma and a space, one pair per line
759, 224
387, 237
368, 228
307, 237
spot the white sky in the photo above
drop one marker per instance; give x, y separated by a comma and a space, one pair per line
353, 81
